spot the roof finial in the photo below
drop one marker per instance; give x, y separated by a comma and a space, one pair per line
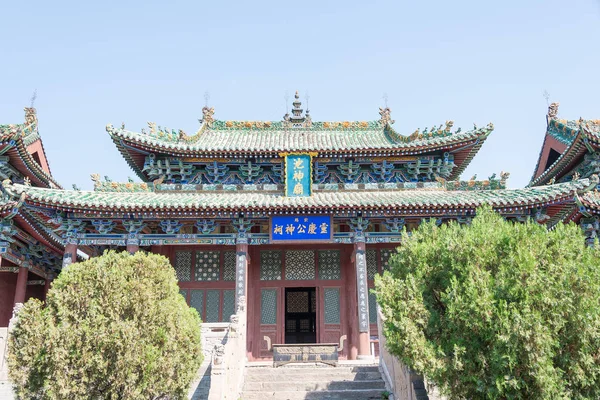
206, 98
33, 98
385, 100
286, 97
547, 97
306, 97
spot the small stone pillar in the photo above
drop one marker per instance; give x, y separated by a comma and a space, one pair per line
21, 287
362, 291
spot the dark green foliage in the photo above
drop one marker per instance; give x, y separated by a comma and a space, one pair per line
115, 327
496, 310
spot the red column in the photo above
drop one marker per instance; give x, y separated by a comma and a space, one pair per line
47, 287
132, 248
70, 255
21, 286
360, 266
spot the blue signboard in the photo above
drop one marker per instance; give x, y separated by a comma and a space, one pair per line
300, 228
298, 171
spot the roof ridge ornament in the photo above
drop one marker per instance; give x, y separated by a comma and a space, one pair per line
553, 110
386, 116
297, 119
208, 116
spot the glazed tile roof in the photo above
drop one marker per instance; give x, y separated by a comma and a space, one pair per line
234, 201
15, 138
248, 137
576, 135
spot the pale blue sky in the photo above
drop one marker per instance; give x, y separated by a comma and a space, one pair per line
99, 62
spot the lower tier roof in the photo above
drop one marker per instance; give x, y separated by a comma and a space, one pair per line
71, 200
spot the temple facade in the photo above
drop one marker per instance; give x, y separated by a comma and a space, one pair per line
292, 217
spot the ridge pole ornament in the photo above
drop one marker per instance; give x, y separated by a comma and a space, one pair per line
386, 116
553, 110
208, 116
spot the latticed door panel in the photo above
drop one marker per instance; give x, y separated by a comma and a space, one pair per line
268, 320
228, 304
332, 305
197, 301
213, 302
270, 265
372, 308
229, 265
183, 265
329, 265
371, 263
385, 255
300, 264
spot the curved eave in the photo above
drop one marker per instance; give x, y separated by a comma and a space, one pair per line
397, 201
568, 159
464, 148
38, 231
23, 162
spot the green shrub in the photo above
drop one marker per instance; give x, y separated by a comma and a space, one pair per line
496, 310
114, 327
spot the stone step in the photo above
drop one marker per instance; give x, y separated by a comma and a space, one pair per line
307, 385
365, 394
311, 375
303, 370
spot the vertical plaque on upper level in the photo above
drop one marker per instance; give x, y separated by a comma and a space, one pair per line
298, 174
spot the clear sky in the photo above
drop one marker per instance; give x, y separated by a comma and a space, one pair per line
100, 62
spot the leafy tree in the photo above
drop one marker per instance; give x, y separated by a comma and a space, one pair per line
496, 310
114, 327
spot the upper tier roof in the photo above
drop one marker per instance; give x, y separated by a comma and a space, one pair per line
272, 137
297, 133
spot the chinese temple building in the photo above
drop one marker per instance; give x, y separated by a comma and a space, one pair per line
294, 217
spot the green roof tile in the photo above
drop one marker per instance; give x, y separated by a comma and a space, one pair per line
203, 201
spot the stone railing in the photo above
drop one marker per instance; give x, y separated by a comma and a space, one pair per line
401, 381
228, 361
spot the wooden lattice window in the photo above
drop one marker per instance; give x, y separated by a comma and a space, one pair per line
329, 265
299, 264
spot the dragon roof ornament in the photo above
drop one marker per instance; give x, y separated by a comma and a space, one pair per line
208, 116
386, 116
553, 110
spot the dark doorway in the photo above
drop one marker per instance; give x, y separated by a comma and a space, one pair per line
300, 315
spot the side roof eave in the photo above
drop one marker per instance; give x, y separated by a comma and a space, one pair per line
580, 140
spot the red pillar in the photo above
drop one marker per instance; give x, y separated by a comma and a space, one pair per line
70, 255
21, 286
132, 248
360, 266
47, 287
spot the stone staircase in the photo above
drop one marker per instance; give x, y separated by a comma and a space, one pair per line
308, 382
